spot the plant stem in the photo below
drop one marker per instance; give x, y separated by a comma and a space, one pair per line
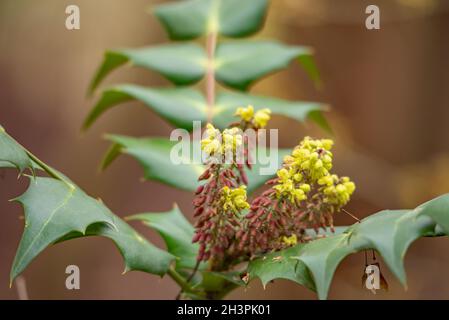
211, 43
185, 286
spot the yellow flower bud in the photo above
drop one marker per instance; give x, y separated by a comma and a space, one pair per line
318, 164
327, 143
350, 186
288, 159
246, 114
290, 241
305, 187
340, 188
234, 199
261, 118
305, 165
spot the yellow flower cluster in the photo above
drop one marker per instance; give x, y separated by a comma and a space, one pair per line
217, 143
234, 199
310, 164
290, 241
259, 119
287, 185
337, 190
312, 157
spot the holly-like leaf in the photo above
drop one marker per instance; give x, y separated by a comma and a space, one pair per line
284, 264
138, 254
57, 210
179, 106
240, 63
389, 232
52, 210
180, 63
177, 233
154, 156
182, 106
12, 154
191, 19
281, 265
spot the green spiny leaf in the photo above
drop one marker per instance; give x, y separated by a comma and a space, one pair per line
177, 233
138, 254
191, 19
12, 154
181, 106
240, 63
57, 210
284, 265
154, 156
281, 265
52, 210
180, 63
389, 232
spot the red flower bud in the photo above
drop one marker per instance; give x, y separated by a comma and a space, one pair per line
196, 237
199, 189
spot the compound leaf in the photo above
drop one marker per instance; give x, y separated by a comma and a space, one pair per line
182, 106
179, 106
180, 63
177, 233
241, 63
231, 18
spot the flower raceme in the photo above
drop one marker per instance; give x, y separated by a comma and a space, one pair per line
220, 201
305, 194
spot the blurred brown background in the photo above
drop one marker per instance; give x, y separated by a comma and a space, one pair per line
389, 91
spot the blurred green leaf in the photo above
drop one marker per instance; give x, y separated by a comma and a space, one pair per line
181, 106
191, 19
227, 103
154, 156
177, 233
180, 63
240, 63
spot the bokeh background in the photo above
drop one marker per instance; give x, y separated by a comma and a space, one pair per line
389, 92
